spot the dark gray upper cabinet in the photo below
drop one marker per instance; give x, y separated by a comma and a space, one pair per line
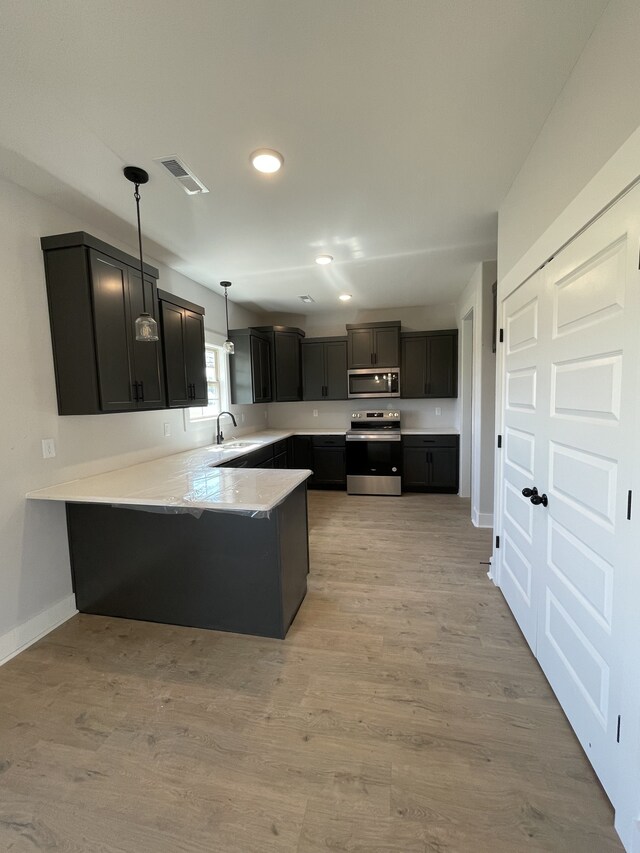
184, 351
429, 366
324, 369
95, 293
373, 344
250, 367
286, 372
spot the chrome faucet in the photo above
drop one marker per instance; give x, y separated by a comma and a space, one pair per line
219, 435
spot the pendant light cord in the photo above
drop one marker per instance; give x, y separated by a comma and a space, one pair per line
136, 195
226, 310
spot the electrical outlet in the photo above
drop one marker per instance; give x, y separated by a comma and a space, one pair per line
48, 448
167, 430
242, 417
438, 411
265, 414
315, 413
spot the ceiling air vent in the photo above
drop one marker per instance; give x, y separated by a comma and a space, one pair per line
307, 298
183, 175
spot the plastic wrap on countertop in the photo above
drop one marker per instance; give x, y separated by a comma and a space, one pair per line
191, 481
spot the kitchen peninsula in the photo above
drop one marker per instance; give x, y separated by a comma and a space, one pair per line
184, 541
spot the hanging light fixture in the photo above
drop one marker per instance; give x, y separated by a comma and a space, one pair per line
228, 345
145, 326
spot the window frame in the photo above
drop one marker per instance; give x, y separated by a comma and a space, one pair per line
212, 340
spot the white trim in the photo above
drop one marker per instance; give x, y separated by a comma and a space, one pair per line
618, 172
482, 519
214, 339
23, 636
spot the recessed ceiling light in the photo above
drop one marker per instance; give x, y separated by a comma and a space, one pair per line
266, 160
324, 259
344, 297
307, 298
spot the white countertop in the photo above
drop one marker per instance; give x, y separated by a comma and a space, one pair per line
186, 480
192, 479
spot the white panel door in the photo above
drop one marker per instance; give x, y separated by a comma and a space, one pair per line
587, 423
526, 328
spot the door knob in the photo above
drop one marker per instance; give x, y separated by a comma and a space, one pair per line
529, 492
536, 500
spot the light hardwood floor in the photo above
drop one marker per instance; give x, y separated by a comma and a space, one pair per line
403, 713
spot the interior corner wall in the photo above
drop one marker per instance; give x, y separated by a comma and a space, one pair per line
35, 578
477, 298
598, 109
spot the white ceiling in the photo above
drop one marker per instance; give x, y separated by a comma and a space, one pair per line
402, 124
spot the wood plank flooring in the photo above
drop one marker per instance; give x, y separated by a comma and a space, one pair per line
402, 714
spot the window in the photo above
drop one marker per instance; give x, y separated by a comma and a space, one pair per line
217, 387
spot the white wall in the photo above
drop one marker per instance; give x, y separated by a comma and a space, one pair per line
477, 298
597, 111
34, 561
416, 414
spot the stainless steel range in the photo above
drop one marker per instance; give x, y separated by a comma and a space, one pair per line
374, 454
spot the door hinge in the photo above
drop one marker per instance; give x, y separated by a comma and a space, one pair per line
501, 336
499, 441
497, 541
629, 499
618, 730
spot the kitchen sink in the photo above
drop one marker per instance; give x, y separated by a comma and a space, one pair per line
236, 445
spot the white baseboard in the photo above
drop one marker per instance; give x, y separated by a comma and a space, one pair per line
20, 638
482, 519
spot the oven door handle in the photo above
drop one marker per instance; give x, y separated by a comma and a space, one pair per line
373, 437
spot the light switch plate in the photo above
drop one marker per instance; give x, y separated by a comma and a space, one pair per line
167, 430
438, 410
48, 448
315, 413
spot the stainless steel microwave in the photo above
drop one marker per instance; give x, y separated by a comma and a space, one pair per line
374, 382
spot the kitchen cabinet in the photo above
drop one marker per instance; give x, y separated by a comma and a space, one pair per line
329, 461
300, 451
429, 365
250, 367
269, 456
95, 294
324, 455
286, 374
324, 369
184, 352
373, 344
430, 463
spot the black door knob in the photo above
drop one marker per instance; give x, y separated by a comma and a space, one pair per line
529, 492
536, 500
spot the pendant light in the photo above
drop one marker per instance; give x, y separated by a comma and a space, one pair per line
228, 345
145, 326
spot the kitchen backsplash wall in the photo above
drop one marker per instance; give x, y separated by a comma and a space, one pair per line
415, 414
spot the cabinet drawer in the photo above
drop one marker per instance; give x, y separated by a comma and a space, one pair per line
328, 441
430, 440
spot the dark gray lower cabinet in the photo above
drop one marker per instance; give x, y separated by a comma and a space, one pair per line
322, 454
430, 463
329, 462
270, 456
224, 570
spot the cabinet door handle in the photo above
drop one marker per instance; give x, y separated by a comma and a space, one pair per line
134, 391
141, 391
